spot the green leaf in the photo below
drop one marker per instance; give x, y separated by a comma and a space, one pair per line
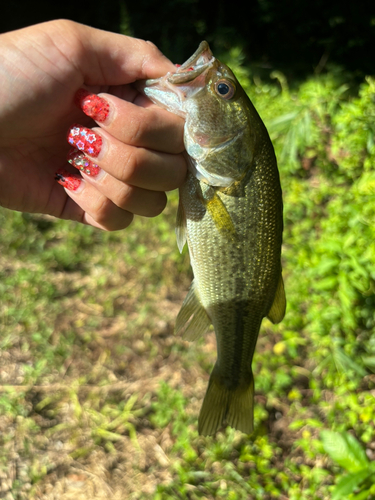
349, 483
297, 424
345, 450
328, 283
287, 118
363, 495
313, 422
344, 362
369, 361
326, 265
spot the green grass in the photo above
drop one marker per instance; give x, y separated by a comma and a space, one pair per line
98, 398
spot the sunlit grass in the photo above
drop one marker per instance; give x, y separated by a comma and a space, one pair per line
98, 395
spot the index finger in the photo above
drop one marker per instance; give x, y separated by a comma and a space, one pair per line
139, 123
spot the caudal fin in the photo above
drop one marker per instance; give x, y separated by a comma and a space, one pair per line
221, 406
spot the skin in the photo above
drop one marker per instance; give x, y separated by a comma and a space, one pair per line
41, 69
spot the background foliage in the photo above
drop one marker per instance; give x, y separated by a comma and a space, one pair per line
98, 398
299, 38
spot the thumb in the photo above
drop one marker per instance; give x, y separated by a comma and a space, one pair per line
106, 58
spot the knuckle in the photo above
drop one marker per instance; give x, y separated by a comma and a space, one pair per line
121, 223
159, 205
109, 217
136, 132
118, 224
141, 202
133, 163
153, 47
127, 165
101, 210
123, 197
155, 52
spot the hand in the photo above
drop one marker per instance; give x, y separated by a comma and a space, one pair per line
138, 146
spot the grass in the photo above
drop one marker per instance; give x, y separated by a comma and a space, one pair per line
90, 364
94, 381
99, 399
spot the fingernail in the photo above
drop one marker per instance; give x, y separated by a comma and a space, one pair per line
85, 140
92, 105
80, 161
68, 180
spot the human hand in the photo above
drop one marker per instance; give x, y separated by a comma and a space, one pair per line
42, 68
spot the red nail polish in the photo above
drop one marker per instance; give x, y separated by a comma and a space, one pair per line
80, 161
68, 180
85, 140
92, 105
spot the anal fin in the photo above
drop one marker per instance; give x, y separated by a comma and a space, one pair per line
277, 311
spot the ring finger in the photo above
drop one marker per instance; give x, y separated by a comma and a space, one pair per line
136, 200
139, 167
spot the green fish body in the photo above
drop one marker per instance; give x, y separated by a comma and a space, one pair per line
230, 213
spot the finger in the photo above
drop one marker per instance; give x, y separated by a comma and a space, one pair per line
85, 204
149, 127
136, 200
139, 167
129, 59
148, 203
105, 58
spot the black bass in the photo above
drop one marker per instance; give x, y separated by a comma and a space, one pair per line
230, 213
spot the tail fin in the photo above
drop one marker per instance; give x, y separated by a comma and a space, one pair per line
221, 405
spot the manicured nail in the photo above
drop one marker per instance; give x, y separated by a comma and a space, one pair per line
85, 140
80, 161
92, 105
68, 180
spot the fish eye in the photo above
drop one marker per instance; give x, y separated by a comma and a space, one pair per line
225, 88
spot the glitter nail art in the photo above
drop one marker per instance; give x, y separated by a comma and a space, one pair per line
80, 161
68, 180
85, 140
92, 105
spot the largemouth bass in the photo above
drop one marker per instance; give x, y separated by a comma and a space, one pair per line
230, 213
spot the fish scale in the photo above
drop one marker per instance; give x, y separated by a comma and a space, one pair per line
230, 214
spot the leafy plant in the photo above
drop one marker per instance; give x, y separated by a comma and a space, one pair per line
345, 450
84, 312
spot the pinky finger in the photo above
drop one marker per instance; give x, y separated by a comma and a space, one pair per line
87, 205
108, 224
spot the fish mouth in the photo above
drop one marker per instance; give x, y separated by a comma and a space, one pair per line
201, 60
170, 91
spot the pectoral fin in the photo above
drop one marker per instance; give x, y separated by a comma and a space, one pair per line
221, 217
180, 227
192, 320
277, 311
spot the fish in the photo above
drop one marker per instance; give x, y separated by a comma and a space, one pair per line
231, 216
